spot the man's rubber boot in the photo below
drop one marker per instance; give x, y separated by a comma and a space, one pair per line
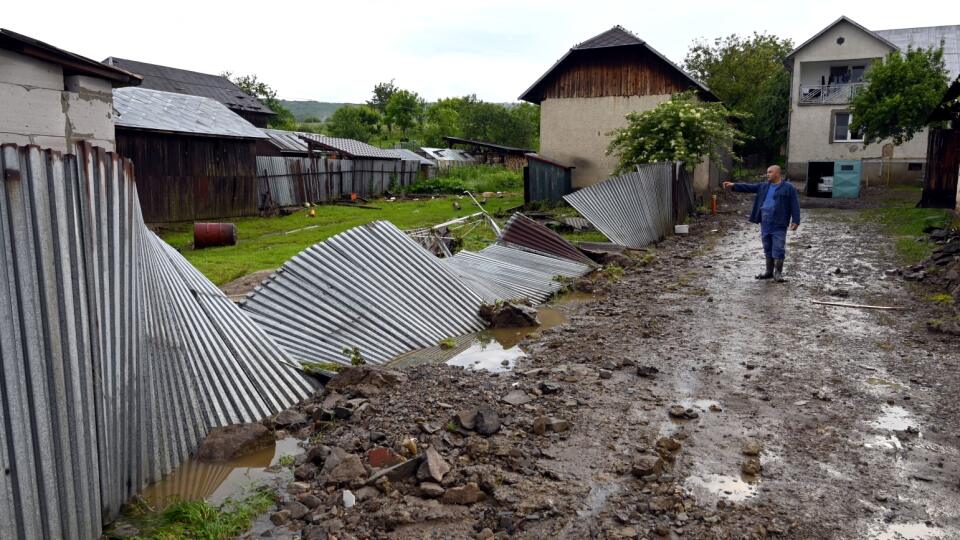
769, 273
778, 271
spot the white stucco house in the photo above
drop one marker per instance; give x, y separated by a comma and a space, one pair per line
826, 71
54, 98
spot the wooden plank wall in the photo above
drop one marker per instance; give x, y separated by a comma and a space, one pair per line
624, 71
943, 164
184, 178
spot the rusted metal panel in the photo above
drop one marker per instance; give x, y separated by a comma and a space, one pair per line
523, 232
117, 355
370, 287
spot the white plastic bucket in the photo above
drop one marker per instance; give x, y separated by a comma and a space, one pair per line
681, 229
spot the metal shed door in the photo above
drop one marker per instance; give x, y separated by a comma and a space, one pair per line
846, 179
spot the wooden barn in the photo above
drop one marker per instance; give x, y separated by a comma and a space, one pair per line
942, 179
590, 90
193, 157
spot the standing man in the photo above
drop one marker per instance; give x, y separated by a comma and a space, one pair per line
774, 207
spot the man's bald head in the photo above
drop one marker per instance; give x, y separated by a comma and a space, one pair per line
774, 173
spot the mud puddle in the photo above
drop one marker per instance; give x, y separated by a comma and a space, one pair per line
215, 482
895, 418
913, 531
496, 349
722, 486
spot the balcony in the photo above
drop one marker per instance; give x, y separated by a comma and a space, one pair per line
828, 94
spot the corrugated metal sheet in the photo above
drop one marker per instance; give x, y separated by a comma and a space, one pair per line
181, 113
350, 147
404, 153
370, 287
117, 355
286, 141
633, 210
524, 232
292, 181
504, 273
545, 180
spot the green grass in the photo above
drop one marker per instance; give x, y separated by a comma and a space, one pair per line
906, 226
475, 178
202, 521
265, 243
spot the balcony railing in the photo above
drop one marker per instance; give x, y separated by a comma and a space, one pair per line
828, 94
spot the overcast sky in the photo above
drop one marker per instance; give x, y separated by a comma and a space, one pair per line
337, 51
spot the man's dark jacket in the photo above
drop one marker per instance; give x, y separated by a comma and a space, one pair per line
787, 202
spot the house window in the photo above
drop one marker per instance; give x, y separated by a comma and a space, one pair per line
841, 128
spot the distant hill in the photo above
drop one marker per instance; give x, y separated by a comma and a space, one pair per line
307, 109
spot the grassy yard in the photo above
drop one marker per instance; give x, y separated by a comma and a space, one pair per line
265, 243
906, 225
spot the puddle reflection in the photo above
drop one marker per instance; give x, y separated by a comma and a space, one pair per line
726, 487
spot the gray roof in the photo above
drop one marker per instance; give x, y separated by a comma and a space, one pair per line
929, 37
287, 141
140, 108
403, 153
448, 154
182, 81
614, 37
349, 147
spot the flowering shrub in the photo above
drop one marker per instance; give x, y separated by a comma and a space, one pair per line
682, 129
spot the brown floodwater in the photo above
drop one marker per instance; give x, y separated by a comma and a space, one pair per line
216, 482
496, 349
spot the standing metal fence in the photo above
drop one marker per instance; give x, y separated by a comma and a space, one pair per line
117, 355
293, 181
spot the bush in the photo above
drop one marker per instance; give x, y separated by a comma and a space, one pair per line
475, 178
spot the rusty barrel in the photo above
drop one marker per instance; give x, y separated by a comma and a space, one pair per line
214, 234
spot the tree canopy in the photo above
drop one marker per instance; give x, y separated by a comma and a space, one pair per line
358, 122
748, 75
404, 108
901, 92
681, 129
264, 93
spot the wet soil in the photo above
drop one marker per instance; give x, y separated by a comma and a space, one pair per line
854, 411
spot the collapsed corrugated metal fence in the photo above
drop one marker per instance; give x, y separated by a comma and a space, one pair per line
635, 209
117, 355
292, 181
376, 289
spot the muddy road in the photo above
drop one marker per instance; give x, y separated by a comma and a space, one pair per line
655, 392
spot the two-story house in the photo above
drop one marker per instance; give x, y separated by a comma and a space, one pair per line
827, 70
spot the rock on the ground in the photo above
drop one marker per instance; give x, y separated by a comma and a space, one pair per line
280, 518
645, 465
752, 447
751, 466
228, 442
433, 466
509, 315
296, 509
517, 397
289, 419
546, 424
365, 381
467, 494
431, 489
487, 421
342, 468
381, 456
307, 471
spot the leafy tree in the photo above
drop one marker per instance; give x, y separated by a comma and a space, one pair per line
252, 86
748, 75
354, 122
682, 129
442, 119
381, 96
902, 90
403, 109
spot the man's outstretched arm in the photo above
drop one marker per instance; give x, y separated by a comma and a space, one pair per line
742, 187
794, 210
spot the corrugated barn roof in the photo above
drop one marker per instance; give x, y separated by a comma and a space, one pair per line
140, 108
349, 147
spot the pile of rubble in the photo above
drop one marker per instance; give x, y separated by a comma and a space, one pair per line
941, 271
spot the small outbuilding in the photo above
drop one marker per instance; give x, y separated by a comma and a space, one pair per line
546, 180
589, 92
489, 153
194, 158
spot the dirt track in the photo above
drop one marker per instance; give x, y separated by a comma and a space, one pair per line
855, 410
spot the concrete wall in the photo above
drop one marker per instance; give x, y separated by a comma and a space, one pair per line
574, 131
811, 126
42, 107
